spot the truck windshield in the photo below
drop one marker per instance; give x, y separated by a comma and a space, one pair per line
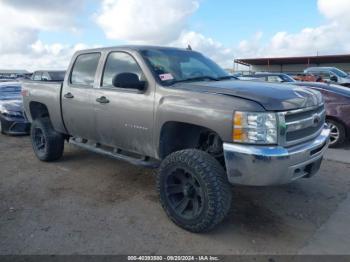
339, 72
173, 66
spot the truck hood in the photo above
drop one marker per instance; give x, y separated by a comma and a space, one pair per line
273, 97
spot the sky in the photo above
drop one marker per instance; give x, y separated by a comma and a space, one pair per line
43, 34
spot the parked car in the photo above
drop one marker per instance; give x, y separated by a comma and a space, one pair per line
307, 78
337, 104
49, 76
177, 110
330, 74
274, 77
249, 78
6, 80
12, 119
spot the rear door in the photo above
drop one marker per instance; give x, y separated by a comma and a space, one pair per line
126, 120
78, 94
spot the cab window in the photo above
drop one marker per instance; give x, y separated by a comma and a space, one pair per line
118, 63
84, 69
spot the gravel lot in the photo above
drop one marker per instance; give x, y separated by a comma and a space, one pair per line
90, 204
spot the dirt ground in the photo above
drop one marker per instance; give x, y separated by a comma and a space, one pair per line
90, 204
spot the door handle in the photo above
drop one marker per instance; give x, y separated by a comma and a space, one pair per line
69, 95
102, 100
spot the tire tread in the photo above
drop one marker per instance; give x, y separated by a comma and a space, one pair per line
54, 140
342, 133
214, 176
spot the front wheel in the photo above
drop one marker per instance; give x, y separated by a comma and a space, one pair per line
47, 144
194, 190
338, 134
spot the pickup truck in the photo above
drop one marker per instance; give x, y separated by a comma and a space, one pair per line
176, 110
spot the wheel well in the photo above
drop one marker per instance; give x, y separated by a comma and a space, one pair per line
38, 110
177, 136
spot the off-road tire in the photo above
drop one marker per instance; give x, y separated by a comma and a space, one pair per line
212, 178
341, 133
53, 141
1, 129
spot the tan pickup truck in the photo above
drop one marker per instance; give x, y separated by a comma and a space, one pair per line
176, 110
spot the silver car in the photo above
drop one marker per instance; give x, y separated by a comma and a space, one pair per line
330, 74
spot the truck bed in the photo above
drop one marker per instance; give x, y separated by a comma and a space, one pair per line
47, 94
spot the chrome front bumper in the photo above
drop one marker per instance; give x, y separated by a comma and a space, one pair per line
265, 165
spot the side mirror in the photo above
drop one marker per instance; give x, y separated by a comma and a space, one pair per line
128, 80
334, 79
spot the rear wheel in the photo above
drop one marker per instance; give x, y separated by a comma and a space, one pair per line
1, 131
338, 134
47, 144
194, 190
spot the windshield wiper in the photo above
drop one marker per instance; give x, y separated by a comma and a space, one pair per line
198, 78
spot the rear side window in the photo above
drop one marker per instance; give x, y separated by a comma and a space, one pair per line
84, 69
45, 76
37, 76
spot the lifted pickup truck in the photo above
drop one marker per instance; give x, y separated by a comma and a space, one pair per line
177, 110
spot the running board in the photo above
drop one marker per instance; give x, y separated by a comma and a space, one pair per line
114, 153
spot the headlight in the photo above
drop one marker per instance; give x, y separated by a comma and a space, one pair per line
255, 128
8, 113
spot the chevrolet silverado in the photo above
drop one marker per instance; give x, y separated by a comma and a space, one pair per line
178, 111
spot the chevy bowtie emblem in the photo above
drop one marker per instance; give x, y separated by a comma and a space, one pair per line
316, 120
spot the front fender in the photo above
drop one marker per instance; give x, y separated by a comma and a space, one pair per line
212, 111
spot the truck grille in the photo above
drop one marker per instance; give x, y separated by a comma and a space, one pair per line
299, 126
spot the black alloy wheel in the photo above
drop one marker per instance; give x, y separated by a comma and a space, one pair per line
194, 190
48, 145
39, 141
184, 193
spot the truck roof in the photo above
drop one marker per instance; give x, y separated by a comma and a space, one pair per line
49, 71
130, 47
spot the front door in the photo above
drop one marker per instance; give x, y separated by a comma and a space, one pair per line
77, 94
124, 116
